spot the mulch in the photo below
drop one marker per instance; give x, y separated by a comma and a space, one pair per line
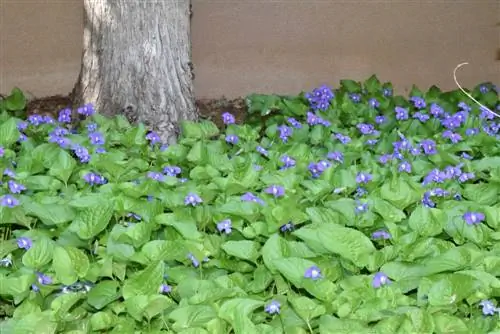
210, 109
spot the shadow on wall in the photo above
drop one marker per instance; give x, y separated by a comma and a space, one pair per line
274, 47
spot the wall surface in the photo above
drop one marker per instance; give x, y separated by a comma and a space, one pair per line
242, 46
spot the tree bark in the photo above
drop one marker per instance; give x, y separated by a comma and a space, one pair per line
137, 61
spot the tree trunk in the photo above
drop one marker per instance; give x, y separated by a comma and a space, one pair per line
137, 61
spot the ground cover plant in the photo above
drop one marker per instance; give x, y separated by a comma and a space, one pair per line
334, 211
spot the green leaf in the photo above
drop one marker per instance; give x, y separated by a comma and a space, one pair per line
274, 248
49, 214
198, 130
16, 101
146, 282
102, 321
307, 308
39, 254
186, 226
350, 85
237, 312
103, 293
243, 249
372, 85
63, 166
349, 243
93, 220
62, 305
147, 306
427, 222
399, 193
9, 133
16, 285
70, 263
192, 316
330, 324
446, 323
387, 211
481, 193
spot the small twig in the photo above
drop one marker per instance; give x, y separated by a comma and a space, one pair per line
468, 95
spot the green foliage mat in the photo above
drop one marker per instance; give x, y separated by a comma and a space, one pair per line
335, 211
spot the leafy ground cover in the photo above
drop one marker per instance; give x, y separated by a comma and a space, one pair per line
335, 211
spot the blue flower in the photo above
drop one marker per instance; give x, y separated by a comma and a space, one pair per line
401, 113
473, 218
9, 201
96, 138
313, 273
232, 139
380, 279
381, 234
273, 307
24, 243
488, 308
225, 226
418, 102
404, 166
363, 178
152, 137
228, 118
192, 199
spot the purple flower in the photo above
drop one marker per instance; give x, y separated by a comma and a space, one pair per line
15, 188
484, 89
355, 97
387, 92
96, 138
86, 110
373, 103
436, 110
415, 151
451, 123
164, 288
6, 262
44, 279
287, 162
473, 218
24, 243
287, 227
285, 132
365, 129
464, 106
262, 151
194, 261
82, 153
249, 197
8, 172
360, 192
421, 116
22, 126
471, 131
313, 273
360, 207
336, 156
381, 234
363, 178
232, 139
9, 201
404, 166
343, 139
92, 127
317, 169
418, 102
319, 98
273, 307
225, 226
293, 122
452, 136
171, 170
35, 119
276, 191
466, 177
488, 308
401, 113
94, 179
380, 119
64, 116
228, 118
155, 176
466, 156
153, 137
192, 199
380, 279
385, 158
2, 151
429, 146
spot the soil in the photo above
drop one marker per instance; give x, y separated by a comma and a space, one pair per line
211, 109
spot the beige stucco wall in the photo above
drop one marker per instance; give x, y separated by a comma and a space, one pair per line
240, 47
